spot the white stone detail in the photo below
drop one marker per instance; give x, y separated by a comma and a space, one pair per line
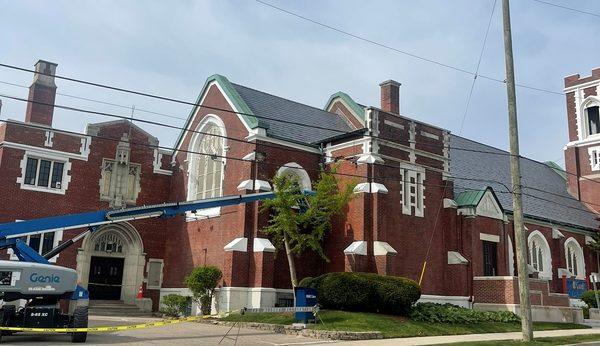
489, 237
382, 248
370, 188
412, 132
84, 149
157, 164
393, 124
589, 240
250, 157
488, 207
556, 234
238, 244
454, 257
49, 137
594, 153
450, 203
263, 245
369, 158
430, 135
358, 247
564, 272
254, 185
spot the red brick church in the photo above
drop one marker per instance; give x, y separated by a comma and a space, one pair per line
424, 195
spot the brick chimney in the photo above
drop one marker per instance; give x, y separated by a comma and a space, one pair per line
390, 96
42, 90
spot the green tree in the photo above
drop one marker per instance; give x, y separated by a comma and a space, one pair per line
299, 222
202, 281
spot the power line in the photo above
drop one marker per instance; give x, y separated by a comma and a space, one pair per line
403, 52
241, 113
164, 98
150, 122
441, 204
497, 152
215, 156
487, 31
101, 102
568, 8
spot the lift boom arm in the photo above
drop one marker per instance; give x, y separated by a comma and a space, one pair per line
11, 232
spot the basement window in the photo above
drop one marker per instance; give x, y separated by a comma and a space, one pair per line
593, 120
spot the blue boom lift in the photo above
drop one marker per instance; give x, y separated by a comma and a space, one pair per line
44, 285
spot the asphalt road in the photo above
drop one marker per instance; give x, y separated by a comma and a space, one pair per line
189, 333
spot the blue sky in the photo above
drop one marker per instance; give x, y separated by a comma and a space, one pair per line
169, 48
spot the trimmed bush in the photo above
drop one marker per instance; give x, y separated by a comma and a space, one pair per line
448, 313
175, 305
367, 292
589, 298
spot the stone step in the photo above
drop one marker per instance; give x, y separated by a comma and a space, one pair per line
115, 308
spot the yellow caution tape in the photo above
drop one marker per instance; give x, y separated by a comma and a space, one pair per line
104, 329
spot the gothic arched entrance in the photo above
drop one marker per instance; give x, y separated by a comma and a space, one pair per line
110, 263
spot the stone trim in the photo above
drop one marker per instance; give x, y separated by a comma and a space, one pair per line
358, 247
382, 248
489, 237
238, 244
262, 245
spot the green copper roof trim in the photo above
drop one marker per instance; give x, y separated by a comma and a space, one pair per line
238, 103
469, 198
354, 107
557, 169
236, 99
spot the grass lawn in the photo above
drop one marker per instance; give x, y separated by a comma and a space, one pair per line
394, 326
562, 340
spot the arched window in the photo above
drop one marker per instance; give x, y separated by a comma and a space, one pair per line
109, 242
574, 258
206, 160
295, 170
591, 117
539, 254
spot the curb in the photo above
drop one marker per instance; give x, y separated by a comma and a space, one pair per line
310, 333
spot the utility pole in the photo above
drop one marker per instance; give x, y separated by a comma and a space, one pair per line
515, 173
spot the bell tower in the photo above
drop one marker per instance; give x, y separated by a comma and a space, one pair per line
582, 152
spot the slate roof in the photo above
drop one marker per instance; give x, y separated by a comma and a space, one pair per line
270, 106
558, 206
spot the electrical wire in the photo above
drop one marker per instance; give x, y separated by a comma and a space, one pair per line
241, 113
568, 8
403, 52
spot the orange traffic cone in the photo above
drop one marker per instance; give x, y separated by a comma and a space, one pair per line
140, 293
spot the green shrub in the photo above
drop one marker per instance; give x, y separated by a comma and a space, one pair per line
589, 298
448, 313
366, 292
202, 281
175, 305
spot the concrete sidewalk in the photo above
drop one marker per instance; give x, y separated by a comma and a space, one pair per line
433, 340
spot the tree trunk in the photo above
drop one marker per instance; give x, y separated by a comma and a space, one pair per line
291, 262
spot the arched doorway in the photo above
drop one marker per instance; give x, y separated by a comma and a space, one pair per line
110, 263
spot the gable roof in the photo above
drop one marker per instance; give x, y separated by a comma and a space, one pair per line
358, 110
555, 206
277, 111
471, 198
